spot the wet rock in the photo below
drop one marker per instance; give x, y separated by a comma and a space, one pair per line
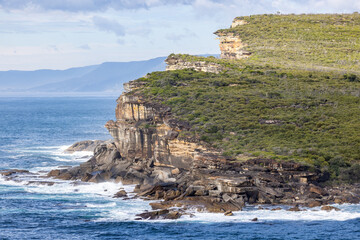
294, 209
254, 219
151, 191
121, 193
276, 209
54, 173
86, 177
64, 176
41, 183
314, 204
173, 215
318, 190
329, 208
162, 205
338, 201
228, 213
161, 214
10, 172
100, 177
171, 194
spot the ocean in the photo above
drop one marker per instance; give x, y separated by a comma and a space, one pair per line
34, 132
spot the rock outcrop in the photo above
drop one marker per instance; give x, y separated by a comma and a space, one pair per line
238, 22
177, 63
87, 145
231, 46
148, 152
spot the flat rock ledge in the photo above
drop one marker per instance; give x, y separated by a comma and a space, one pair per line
87, 145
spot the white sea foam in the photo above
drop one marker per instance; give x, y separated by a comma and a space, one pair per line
56, 153
99, 205
100, 197
346, 213
33, 184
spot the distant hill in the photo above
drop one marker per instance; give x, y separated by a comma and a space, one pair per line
106, 77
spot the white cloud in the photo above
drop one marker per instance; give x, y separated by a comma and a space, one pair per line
181, 35
85, 47
85, 32
87, 5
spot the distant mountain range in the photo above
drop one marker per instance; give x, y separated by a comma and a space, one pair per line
106, 78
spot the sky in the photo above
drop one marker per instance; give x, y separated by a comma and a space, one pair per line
60, 34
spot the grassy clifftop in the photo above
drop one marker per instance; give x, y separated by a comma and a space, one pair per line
313, 42
292, 100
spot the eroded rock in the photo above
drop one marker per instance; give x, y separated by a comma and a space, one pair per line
88, 145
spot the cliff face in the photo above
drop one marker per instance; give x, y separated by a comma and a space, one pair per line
231, 46
175, 63
144, 130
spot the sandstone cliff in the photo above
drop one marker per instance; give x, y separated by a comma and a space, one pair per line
144, 130
231, 46
174, 62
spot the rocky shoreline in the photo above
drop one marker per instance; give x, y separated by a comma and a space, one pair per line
226, 188
146, 151
182, 174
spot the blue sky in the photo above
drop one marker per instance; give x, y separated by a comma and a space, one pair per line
59, 34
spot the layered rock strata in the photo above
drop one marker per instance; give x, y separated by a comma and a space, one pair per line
176, 63
231, 46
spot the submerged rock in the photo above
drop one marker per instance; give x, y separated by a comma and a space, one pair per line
329, 208
228, 213
8, 173
120, 194
295, 209
161, 214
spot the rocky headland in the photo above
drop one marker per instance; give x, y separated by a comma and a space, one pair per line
149, 151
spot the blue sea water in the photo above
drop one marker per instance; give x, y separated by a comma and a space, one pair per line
33, 134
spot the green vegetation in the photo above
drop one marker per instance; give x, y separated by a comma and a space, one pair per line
300, 102
311, 42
